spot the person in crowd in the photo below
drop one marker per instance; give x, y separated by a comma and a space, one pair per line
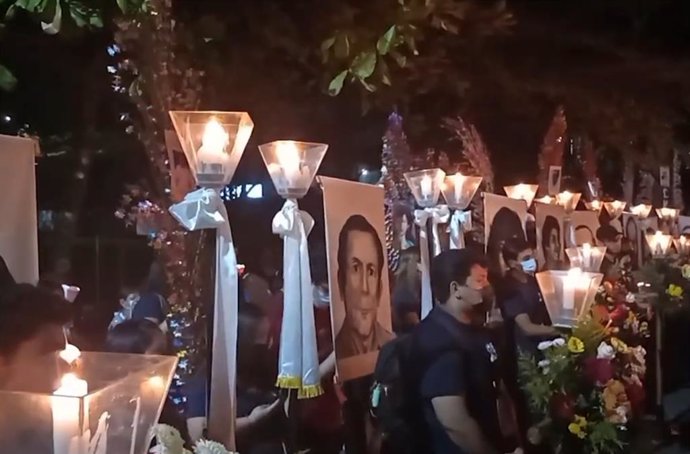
551, 244
457, 382
360, 276
406, 295
261, 421
145, 300
527, 322
31, 336
145, 337
609, 236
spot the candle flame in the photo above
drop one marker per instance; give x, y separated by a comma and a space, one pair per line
288, 157
595, 204
586, 247
642, 210
215, 137
71, 386
70, 354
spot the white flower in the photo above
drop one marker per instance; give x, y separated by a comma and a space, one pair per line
559, 342
605, 351
622, 414
545, 345
544, 363
209, 447
630, 298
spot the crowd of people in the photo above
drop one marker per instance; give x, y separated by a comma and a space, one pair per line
459, 368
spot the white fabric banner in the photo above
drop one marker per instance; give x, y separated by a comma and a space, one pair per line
18, 224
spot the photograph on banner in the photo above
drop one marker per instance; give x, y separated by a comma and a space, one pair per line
584, 228
19, 226
633, 237
357, 274
684, 225
550, 236
647, 227
181, 178
504, 218
404, 229
554, 180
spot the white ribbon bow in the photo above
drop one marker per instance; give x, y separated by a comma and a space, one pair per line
298, 359
438, 215
460, 222
204, 209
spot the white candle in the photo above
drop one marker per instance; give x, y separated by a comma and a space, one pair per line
68, 414
458, 183
586, 256
569, 285
289, 159
211, 155
426, 186
595, 205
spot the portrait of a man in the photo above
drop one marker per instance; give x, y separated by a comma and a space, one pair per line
360, 268
357, 274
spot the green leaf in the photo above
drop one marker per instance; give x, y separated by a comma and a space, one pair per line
369, 87
364, 64
96, 20
384, 43
30, 5
124, 5
336, 84
326, 44
7, 79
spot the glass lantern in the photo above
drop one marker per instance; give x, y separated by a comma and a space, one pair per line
586, 257
682, 245
642, 210
546, 200
458, 190
667, 214
594, 205
659, 243
292, 165
109, 406
426, 186
568, 294
615, 208
213, 143
568, 200
522, 191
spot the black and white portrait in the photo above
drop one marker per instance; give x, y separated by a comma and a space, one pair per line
550, 236
631, 233
554, 180
358, 274
584, 228
504, 218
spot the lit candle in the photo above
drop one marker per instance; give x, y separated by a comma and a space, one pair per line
572, 282
289, 160
458, 183
594, 205
70, 354
211, 156
586, 256
547, 200
426, 186
67, 410
641, 211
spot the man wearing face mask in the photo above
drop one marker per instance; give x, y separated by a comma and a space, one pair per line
526, 316
456, 385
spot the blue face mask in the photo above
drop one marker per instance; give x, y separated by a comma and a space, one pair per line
529, 265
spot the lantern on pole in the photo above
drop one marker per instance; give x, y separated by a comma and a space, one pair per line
615, 208
568, 200
292, 166
522, 191
682, 245
659, 243
213, 143
568, 294
458, 191
546, 200
594, 205
426, 188
642, 210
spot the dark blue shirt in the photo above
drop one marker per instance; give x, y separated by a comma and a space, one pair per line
524, 298
461, 364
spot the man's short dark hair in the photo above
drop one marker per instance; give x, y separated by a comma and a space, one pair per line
607, 232
452, 265
513, 247
24, 311
357, 223
134, 336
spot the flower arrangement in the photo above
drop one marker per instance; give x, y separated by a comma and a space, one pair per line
617, 308
169, 441
585, 389
669, 280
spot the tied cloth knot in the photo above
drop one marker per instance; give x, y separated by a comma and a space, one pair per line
438, 215
204, 209
460, 222
298, 359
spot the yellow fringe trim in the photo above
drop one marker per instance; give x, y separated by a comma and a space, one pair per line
303, 392
309, 391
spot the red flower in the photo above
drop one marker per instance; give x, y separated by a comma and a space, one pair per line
598, 370
619, 313
562, 407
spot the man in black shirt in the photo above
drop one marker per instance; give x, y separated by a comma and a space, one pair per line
457, 385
